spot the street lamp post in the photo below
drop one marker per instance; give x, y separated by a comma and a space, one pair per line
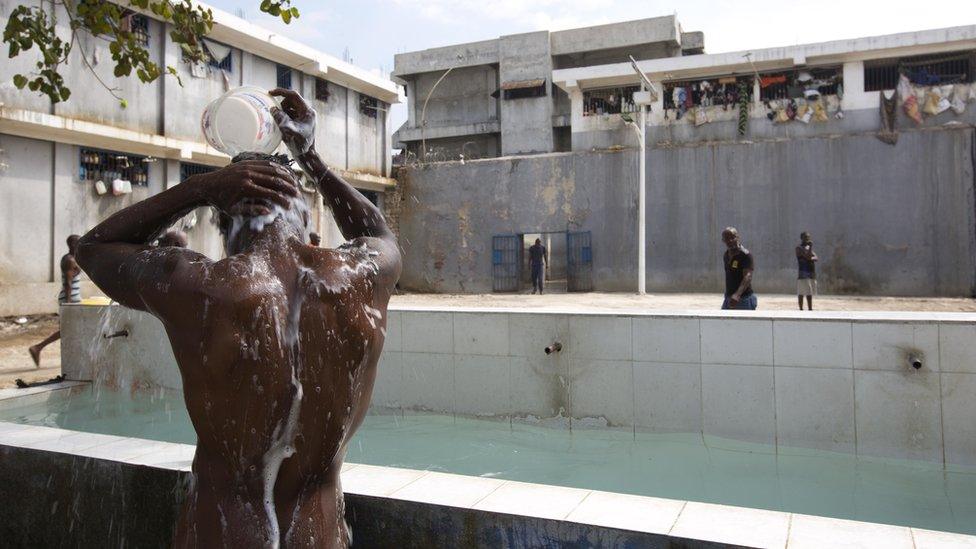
423, 114
642, 204
642, 99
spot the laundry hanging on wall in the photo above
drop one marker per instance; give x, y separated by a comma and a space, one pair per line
889, 109
701, 117
935, 103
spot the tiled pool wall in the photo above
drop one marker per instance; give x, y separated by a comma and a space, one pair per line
836, 382
67, 489
63, 488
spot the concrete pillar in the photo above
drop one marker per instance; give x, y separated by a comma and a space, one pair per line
854, 95
526, 123
411, 88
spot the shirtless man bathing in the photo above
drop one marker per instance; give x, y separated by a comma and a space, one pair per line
277, 344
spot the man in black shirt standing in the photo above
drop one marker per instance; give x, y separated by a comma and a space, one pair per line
738, 273
538, 259
806, 260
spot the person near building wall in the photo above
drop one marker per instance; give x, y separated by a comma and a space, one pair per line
70, 293
538, 261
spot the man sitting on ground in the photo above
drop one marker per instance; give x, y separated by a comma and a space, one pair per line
277, 344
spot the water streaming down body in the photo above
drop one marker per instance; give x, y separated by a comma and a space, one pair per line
283, 437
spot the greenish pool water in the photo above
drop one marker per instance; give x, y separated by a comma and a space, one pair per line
681, 466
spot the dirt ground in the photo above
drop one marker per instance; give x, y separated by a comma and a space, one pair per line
15, 338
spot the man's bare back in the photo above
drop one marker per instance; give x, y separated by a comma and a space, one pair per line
277, 344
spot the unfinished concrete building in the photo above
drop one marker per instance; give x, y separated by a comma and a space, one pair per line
497, 98
868, 143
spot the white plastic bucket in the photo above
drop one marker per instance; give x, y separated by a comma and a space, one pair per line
240, 121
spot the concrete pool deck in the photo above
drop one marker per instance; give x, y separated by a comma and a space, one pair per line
625, 302
447, 508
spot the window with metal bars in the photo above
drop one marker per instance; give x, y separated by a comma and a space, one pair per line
107, 166
795, 84
609, 100
227, 63
284, 76
138, 25
188, 170
372, 196
322, 92
706, 92
368, 106
923, 70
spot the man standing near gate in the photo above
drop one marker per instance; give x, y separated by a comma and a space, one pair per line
538, 260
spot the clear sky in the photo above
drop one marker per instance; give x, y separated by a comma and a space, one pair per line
375, 30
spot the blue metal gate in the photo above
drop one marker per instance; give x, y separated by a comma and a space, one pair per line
505, 262
579, 262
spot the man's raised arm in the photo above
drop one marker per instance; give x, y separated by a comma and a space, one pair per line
116, 253
355, 215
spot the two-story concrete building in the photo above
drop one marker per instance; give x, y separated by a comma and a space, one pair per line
496, 97
54, 155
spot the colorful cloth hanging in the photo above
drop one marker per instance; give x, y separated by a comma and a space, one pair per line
910, 106
766, 81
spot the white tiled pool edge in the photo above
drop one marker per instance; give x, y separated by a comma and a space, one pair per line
673, 518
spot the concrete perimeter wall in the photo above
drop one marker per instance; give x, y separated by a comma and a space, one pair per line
886, 220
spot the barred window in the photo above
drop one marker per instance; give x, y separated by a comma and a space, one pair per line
138, 25
322, 92
372, 196
188, 170
214, 60
923, 70
706, 92
108, 166
794, 84
368, 106
609, 100
283, 76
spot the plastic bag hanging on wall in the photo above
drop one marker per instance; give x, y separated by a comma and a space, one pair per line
701, 117
960, 94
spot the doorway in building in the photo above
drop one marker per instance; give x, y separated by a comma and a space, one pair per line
555, 243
